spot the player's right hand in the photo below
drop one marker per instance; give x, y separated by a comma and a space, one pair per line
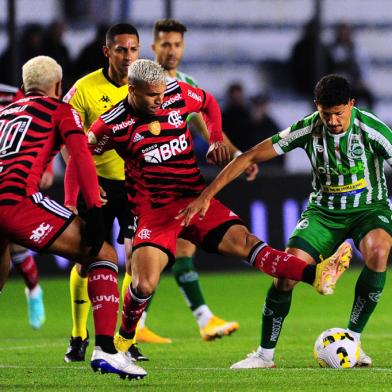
94, 232
198, 206
218, 154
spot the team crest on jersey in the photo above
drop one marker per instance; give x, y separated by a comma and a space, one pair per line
155, 128
355, 148
175, 118
303, 224
383, 218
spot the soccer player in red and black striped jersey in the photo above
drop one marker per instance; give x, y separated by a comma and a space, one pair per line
22, 259
32, 130
149, 131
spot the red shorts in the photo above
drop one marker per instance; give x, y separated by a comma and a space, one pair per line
160, 229
34, 222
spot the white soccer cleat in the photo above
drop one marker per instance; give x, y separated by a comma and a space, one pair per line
364, 360
253, 360
118, 363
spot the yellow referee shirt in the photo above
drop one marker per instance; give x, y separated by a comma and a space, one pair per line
91, 96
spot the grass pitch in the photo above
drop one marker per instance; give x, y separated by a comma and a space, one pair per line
33, 360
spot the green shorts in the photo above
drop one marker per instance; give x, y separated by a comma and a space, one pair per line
320, 231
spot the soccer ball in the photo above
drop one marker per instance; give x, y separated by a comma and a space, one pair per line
336, 348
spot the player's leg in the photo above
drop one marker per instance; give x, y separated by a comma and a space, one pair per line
80, 307
187, 278
311, 238
25, 264
375, 247
80, 304
103, 293
5, 261
275, 310
147, 264
143, 334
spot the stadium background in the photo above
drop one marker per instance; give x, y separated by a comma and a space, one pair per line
247, 41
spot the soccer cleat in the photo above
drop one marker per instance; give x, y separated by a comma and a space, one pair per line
145, 335
136, 354
330, 269
76, 351
216, 328
118, 363
122, 344
253, 361
35, 307
364, 360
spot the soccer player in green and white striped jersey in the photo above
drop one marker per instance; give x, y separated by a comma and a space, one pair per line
347, 148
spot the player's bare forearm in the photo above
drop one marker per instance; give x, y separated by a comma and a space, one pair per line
5, 260
260, 153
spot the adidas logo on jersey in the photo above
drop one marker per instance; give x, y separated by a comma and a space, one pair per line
137, 138
166, 151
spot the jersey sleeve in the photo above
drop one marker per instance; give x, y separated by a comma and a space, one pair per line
382, 142
297, 135
75, 98
198, 100
99, 137
70, 128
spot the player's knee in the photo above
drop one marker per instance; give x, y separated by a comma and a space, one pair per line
107, 252
144, 287
377, 256
284, 284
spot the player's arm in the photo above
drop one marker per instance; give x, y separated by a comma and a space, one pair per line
262, 152
198, 100
72, 132
198, 123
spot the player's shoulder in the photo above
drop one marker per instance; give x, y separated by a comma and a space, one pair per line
366, 119
90, 79
183, 77
116, 114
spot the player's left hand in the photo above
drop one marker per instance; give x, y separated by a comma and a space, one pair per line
197, 206
218, 154
102, 196
46, 179
251, 172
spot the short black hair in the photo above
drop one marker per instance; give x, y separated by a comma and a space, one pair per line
120, 28
168, 25
332, 90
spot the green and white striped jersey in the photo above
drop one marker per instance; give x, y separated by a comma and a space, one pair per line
347, 169
183, 77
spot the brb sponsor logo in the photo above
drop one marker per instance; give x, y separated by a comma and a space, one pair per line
38, 234
170, 101
164, 152
341, 169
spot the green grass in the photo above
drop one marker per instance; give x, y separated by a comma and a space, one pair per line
33, 360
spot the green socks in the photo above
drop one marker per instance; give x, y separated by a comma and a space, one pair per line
276, 308
368, 289
188, 281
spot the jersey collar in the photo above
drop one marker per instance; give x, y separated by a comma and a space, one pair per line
105, 72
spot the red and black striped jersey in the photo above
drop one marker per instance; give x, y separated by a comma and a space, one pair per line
32, 130
160, 164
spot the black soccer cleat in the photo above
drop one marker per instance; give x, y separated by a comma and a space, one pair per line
136, 354
76, 351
